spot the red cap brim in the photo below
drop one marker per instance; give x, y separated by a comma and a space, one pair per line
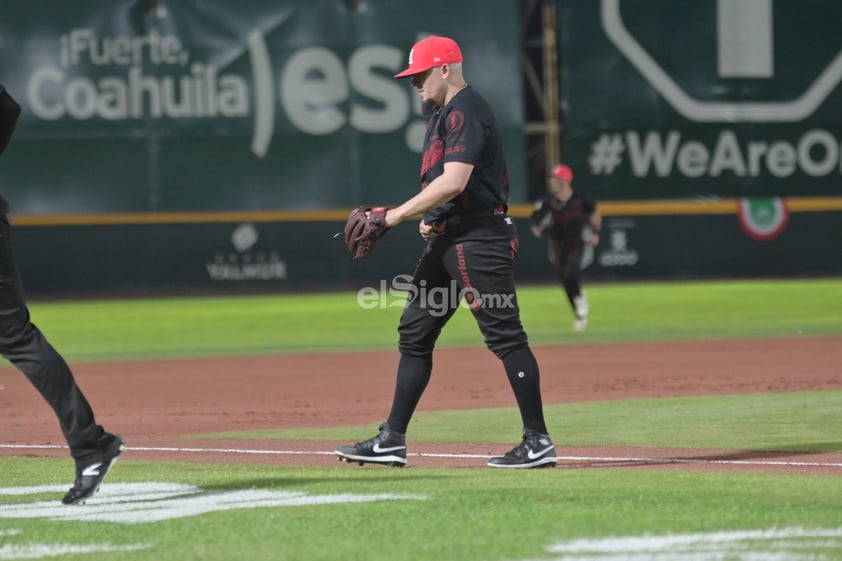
411, 71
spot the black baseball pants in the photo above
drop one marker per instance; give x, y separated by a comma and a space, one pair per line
23, 344
471, 263
567, 259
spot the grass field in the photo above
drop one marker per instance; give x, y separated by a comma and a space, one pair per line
155, 328
739, 422
449, 515
186, 510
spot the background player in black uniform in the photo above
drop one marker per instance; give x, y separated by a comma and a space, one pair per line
471, 249
571, 221
93, 449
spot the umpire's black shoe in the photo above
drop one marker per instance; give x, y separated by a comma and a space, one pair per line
90, 473
387, 448
536, 451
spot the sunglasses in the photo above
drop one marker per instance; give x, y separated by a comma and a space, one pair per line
418, 80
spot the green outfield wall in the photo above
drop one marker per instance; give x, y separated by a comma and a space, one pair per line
221, 106
217, 147
266, 253
702, 99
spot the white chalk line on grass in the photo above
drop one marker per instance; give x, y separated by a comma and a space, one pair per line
599, 459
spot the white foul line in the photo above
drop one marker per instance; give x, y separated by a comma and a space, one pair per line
601, 459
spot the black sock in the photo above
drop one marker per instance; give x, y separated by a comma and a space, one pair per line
413, 376
522, 370
573, 289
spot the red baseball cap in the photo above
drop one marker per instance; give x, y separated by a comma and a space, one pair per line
562, 172
431, 52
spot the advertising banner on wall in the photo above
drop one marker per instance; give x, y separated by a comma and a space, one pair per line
134, 106
242, 257
705, 99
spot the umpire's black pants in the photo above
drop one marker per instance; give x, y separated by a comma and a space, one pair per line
23, 344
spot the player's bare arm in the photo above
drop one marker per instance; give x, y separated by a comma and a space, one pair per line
442, 189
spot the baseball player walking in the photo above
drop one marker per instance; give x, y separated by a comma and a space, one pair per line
470, 250
571, 221
23, 344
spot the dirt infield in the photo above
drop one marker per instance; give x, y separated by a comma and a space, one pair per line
153, 403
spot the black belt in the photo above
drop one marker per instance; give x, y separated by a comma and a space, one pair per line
439, 226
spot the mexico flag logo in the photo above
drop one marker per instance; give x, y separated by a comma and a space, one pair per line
763, 219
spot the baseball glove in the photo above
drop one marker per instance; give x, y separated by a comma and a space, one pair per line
365, 226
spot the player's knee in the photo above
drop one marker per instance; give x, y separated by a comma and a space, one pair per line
413, 344
17, 335
504, 346
415, 348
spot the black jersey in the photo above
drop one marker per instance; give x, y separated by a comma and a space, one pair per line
465, 130
563, 221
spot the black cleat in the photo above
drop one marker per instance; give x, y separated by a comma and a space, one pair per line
536, 451
387, 448
89, 475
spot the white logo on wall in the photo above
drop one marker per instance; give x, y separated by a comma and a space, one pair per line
745, 48
246, 263
156, 76
816, 153
619, 254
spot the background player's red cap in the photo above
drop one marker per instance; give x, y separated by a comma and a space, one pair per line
562, 172
431, 52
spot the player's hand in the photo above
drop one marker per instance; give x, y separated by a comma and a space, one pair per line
426, 230
536, 231
594, 240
